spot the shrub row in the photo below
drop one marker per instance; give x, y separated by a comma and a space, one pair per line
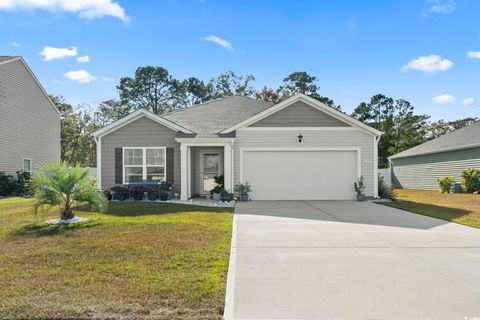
469, 181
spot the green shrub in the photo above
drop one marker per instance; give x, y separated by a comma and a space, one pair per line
24, 188
385, 192
445, 183
469, 180
7, 184
359, 186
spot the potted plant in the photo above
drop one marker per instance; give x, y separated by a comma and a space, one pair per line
152, 194
243, 189
167, 187
163, 195
119, 193
217, 187
226, 196
359, 186
138, 192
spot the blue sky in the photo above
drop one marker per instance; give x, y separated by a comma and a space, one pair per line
425, 51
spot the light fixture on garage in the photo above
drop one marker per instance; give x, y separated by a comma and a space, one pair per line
300, 138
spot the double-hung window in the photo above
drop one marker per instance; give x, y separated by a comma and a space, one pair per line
27, 165
144, 164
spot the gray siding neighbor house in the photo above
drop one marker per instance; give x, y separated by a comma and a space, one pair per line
29, 121
448, 155
298, 149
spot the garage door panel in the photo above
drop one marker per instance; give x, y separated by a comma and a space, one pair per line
300, 175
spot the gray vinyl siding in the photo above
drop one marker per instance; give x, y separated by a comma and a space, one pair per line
30, 125
299, 114
421, 172
142, 132
196, 169
312, 139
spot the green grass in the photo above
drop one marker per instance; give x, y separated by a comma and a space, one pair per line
139, 260
459, 208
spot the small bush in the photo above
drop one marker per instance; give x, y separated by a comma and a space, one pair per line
445, 183
359, 186
24, 188
7, 184
469, 180
385, 192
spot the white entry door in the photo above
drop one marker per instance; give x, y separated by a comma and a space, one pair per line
300, 175
210, 166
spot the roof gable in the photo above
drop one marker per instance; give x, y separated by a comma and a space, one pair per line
310, 102
300, 114
135, 116
7, 59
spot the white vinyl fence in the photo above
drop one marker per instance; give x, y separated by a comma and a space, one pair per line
387, 175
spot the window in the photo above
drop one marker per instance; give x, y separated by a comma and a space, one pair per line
27, 165
141, 164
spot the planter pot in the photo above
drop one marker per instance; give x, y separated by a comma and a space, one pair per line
217, 196
360, 197
227, 198
118, 197
244, 197
152, 197
138, 197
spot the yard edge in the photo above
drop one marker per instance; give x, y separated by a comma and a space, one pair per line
230, 290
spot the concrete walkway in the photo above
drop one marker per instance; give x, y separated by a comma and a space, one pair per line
350, 260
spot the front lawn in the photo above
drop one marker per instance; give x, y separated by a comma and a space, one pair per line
140, 260
455, 207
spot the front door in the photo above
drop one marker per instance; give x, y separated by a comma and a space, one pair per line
211, 164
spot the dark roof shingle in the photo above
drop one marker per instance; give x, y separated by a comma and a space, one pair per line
209, 118
463, 138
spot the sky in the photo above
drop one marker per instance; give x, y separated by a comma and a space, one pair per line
424, 51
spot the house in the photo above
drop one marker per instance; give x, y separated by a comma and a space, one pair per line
447, 155
29, 121
298, 149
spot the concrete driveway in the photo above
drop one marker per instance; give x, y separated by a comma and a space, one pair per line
350, 260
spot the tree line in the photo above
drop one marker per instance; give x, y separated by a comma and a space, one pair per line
156, 90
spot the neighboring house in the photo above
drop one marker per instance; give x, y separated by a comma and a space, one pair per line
448, 155
299, 149
29, 121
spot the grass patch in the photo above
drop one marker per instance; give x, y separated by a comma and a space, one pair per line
139, 260
455, 207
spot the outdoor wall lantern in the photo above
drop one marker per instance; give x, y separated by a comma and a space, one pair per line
300, 138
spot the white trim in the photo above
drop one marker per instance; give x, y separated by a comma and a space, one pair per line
375, 166
135, 116
189, 175
357, 149
220, 171
202, 142
98, 140
23, 165
299, 129
184, 150
313, 103
144, 165
35, 79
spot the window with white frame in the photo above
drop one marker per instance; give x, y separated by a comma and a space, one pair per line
144, 164
27, 165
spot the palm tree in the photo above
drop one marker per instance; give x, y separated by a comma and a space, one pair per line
58, 184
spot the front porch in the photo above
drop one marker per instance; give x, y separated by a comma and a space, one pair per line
200, 161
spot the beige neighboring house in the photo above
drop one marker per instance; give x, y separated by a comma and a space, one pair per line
298, 149
29, 121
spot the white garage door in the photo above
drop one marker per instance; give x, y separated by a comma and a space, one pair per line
300, 175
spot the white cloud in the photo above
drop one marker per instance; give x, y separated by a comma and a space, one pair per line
428, 64
473, 54
52, 53
445, 98
81, 76
221, 42
88, 9
83, 59
468, 101
14, 44
439, 7
107, 79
